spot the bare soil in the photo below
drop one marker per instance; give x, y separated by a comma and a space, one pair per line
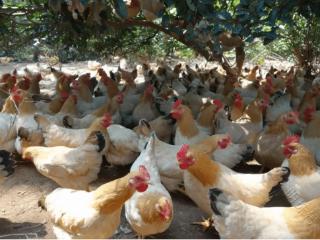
21, 217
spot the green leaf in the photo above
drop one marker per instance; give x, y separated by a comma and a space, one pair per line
191, 5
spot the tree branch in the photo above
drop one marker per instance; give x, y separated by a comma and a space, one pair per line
210, 56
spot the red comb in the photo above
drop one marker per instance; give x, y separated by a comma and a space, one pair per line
291, 139
218, 103
238, 101
14, 89
309, 109
183, 151
308, 113
238, 96
64, 94
177, 103
144, 172
106, 120
120, 97
224, 142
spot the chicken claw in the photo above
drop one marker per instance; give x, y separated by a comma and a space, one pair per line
206, 223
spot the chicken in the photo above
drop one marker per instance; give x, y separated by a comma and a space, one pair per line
201, 174
63, 80
12, 102
247, 89
111, 107
55, 135
162, 126
268, 150
4, 91
245, 128
150, 212
69, 106
234, 218
171, 175
281, 105
106, 85
207, 115
9, 106
26, 111
9, 79
27, 138
8, 131
145, 109
54, 105
124, 145
34, 78
237, 107
193, 100
311, 134
252, 74
72, 168
96, 214
304, 179
309, 99
86, 103
6, 165
130, 100
187, 130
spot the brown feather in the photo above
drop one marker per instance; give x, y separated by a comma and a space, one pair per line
204, 169
304, 220
111, 196
302, 162
187, 124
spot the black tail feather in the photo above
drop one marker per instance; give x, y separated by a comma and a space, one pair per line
101, 141
7, 163
213, 195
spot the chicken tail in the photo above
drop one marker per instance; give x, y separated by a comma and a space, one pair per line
41, 120
248, 153
67, 121
23, 133
213, 196
97, 138
7, 163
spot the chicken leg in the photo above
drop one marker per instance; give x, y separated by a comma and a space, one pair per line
206, 224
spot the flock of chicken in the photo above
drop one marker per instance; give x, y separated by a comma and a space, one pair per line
182, 129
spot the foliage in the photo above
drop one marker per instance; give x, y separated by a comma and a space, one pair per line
101, 27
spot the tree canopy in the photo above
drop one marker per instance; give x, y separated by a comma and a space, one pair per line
209, 27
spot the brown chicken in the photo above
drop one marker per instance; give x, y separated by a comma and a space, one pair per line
268, 150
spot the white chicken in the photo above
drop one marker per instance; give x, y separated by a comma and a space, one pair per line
201, 174
96, 214
55, 135
234, 218
150, 212
187, 130
124, 145
304, 179
69, 167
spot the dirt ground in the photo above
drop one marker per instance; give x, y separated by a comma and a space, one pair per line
20, 216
